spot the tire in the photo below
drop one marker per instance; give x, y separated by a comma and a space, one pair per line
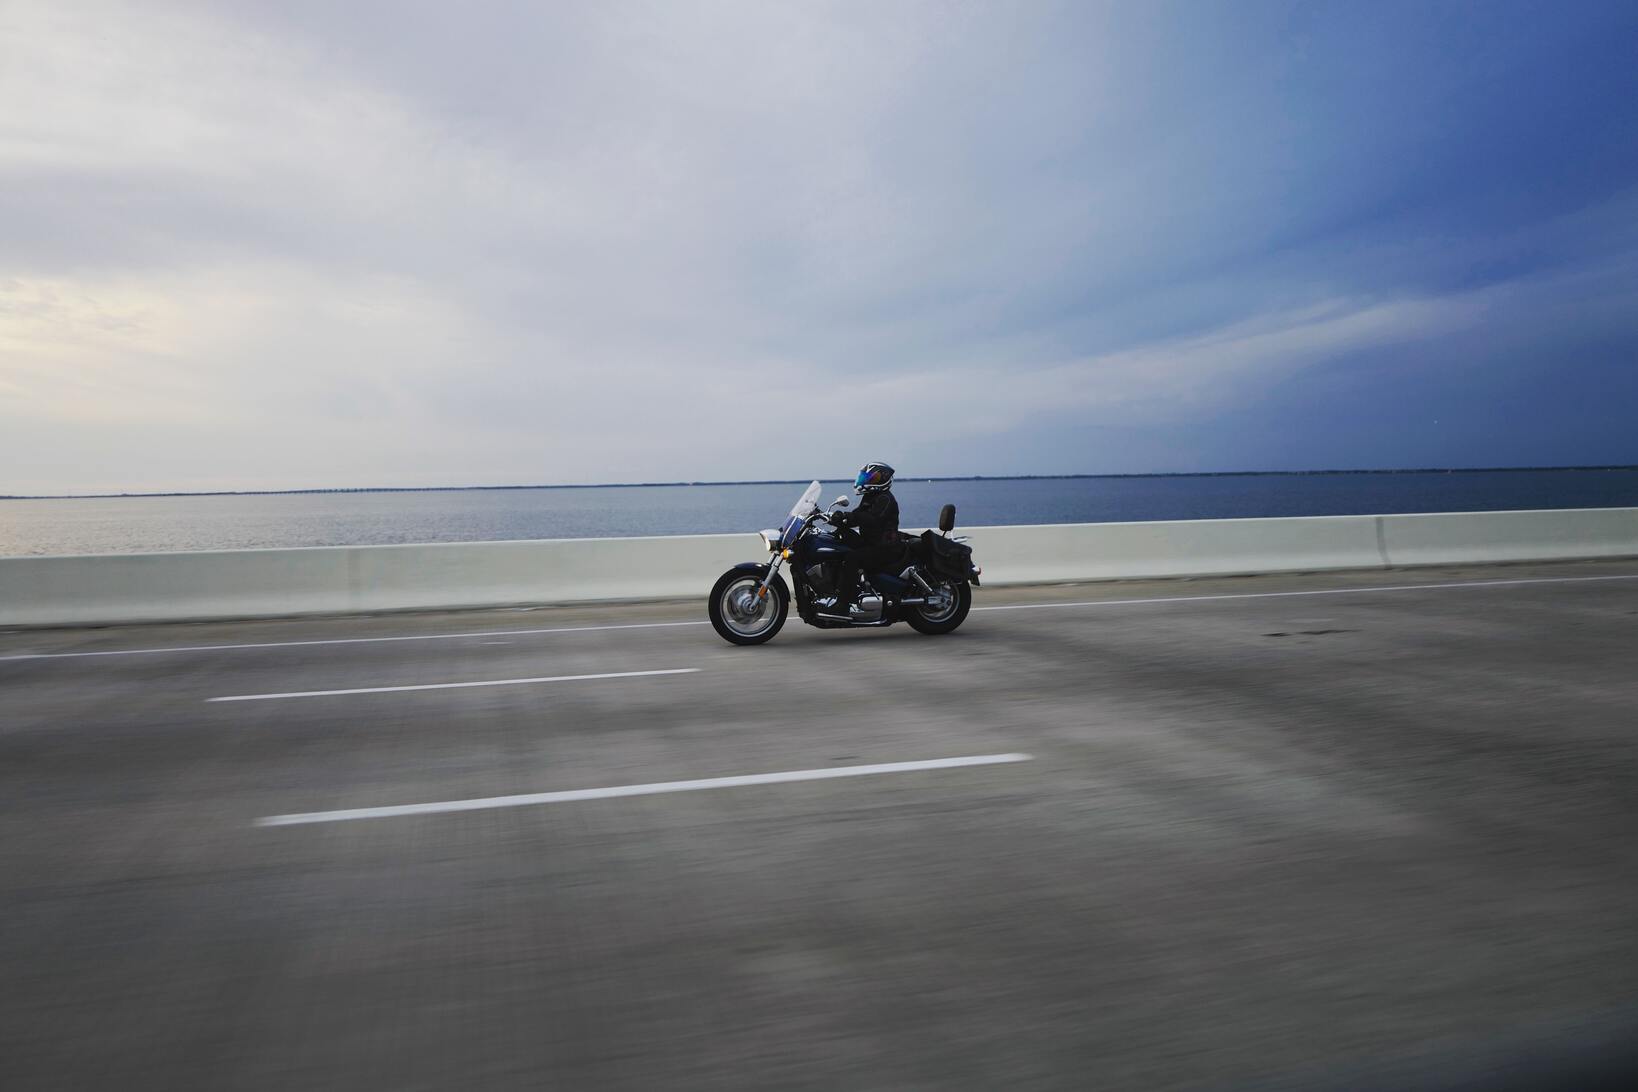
943, 622
738, 627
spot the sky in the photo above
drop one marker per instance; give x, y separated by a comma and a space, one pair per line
307, 244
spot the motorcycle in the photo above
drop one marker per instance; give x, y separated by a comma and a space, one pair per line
931, 587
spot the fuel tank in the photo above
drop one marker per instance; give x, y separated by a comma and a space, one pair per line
821, 547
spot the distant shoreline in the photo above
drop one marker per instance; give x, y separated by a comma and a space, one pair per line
800, 481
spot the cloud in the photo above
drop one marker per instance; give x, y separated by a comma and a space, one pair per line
1173, 379
513, 243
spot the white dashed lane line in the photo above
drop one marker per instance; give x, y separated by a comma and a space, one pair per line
655, 788
455, 685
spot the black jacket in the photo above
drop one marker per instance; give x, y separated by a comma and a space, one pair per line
876, 517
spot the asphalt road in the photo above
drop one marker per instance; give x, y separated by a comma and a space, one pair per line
1315, 831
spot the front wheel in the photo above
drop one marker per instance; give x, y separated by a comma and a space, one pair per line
738, 616
942, 617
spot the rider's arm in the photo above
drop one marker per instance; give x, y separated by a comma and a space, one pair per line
871, 515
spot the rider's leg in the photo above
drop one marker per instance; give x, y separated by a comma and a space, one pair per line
847, 581
864, 560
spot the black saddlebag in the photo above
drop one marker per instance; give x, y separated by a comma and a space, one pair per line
946, 557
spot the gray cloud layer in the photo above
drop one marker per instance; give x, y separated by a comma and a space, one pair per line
289, 245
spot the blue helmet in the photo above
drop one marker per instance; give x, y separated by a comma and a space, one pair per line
873, 476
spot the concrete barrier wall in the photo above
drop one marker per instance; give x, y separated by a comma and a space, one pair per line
1510, 536
329, 580
343, 579
1110, 551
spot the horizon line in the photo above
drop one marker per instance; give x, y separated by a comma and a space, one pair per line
796, 481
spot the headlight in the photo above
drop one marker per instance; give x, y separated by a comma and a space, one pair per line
770, 541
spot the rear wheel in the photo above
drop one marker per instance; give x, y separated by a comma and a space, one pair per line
739, 616
954, 601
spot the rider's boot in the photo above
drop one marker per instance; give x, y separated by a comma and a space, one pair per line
844, 602
851, 607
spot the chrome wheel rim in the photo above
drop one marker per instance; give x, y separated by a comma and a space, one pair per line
743, 612
947, 593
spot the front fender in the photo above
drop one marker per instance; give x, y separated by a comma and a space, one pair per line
761, 569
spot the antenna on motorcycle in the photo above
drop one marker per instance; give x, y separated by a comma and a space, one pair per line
946, 518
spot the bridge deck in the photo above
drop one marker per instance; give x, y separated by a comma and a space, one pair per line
1267, 828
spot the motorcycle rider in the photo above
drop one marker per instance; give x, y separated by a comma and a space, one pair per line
877, 521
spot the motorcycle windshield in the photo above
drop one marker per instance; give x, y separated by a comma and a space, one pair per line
809, 503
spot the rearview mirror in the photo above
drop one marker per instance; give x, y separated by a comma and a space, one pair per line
843, 502
946, 518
